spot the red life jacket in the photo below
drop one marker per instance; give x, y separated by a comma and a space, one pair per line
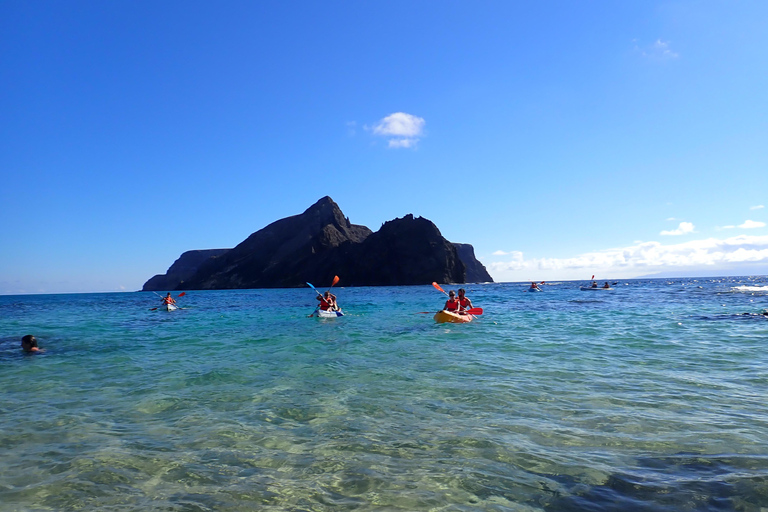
451, 305
324, 304
464, 303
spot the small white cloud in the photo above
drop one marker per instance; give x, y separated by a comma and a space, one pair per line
752, 224
406, 128
662, 48
725, 227
402, 143
671, 218
758, 207
658, 50
500, 253
400, 124
682, 229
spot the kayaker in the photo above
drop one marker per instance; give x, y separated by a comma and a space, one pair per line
464, 302
452, 304
29, 345
328, 302
606, 285
534, 286
168, 299
594, 284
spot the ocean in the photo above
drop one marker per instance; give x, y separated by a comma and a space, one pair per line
649, 397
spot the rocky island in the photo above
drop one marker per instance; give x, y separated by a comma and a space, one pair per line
320, 243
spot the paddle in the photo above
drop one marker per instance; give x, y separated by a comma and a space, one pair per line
317, 292
471, 311
438, 287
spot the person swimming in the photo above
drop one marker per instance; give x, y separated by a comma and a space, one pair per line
29, 345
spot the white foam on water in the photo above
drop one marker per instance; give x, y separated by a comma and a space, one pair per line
746, 288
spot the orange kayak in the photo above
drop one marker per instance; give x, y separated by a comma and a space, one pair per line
444, 316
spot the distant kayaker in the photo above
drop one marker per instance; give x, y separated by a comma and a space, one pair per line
594, 284
452, 304
168, 299
464, 302
534, 286
328, 302
29, 345
606, 285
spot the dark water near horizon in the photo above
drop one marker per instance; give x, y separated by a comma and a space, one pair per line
649, 397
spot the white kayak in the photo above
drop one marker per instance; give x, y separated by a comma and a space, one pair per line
534, 290
326, 313
591, 289
168, 307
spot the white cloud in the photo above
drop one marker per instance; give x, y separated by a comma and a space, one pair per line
406, 128
758, 207
642, 258
402, 143
658, 50
752, 224
662, 48
725, 227
515, 254
682, 229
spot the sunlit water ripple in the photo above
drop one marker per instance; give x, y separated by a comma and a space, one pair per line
648, 397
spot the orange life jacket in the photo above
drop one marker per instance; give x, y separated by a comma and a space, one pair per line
451, 305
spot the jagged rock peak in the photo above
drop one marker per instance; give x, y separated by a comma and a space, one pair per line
326, 211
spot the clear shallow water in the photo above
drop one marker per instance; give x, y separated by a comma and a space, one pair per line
648, 397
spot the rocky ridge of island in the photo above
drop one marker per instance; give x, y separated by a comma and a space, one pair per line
320, 243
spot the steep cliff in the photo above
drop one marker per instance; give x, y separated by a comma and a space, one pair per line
282, 255
476, 271
403, 252
320, 243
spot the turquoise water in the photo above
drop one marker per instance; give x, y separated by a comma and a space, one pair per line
648, 397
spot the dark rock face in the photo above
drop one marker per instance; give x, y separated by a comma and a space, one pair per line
405, 251
284, 254
476, 271
181, 270
321, 243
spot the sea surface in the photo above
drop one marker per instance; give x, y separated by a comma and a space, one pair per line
649, 397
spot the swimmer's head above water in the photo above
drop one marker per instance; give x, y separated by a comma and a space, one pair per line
29, 344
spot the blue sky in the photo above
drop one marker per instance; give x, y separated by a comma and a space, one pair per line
561, 139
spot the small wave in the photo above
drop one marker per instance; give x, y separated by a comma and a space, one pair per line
747, 288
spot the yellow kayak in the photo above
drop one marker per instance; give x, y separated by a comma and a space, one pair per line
444, 316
